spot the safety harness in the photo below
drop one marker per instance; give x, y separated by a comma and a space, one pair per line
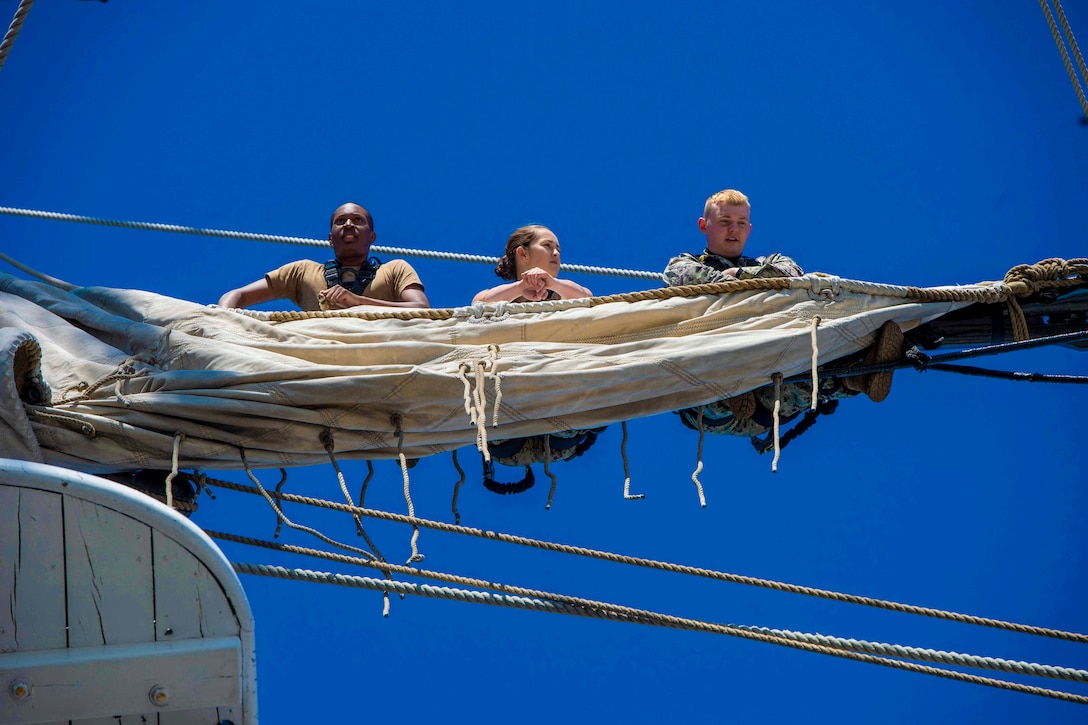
354, 281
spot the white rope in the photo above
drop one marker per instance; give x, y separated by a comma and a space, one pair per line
815, 361
308, 242
834, 646
777, 411
178, 438
699, 458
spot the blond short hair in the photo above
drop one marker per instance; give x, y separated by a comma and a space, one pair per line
727, 197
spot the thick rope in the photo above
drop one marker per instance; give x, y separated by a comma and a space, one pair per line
854, 645
674, 568
308, 242
1065, 56
627, 468
1071, 40
13, 30
603, 610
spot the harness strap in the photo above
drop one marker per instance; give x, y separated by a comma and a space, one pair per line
353, 281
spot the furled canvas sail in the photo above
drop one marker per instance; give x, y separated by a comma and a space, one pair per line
101, 379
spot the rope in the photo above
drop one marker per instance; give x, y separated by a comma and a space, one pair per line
457, 487
1069, 37
13, 30
59, 283
366, 481
178, 438
673, 568
777, 420
279, 489
399, 433
699, 459
1003, 375
329, 446
877, 648
305, 241
815, 361
289, 522
922, 362
603, 610
626, 468
1065, 56
548, 472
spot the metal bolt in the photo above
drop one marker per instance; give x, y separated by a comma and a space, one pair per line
159, 696
20, 689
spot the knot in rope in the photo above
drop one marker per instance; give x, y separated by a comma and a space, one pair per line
1025, 280
918, 359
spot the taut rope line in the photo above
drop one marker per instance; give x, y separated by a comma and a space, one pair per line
1061, 49
840, 643
308, 242
601, 610
13, 29
666, 566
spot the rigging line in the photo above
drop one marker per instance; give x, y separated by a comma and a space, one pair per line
1070, 39
1003, 375
66, 286
674, 568
307, 242
853, 645
1065, 56
635, 616
921, 361
13, 30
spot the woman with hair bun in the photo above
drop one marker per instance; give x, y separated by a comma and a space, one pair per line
531, 261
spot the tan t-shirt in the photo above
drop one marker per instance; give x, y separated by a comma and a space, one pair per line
301, 282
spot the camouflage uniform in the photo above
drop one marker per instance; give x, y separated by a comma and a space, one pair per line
718, 418
708, 268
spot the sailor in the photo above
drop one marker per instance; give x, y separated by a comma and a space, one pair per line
531, 262
726, 223
351, 279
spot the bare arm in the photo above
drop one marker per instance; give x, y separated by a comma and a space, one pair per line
533, 285
504, 292
411, 296
568, 290
253, 293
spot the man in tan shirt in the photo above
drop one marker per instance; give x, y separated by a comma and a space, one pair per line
349, 280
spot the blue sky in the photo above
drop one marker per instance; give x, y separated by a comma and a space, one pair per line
920, 143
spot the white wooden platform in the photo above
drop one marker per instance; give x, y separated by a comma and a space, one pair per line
115, 609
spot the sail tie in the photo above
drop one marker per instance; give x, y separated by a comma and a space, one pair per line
815, 361
627, 469
699, 460
399, 433
178, 438
777, 411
